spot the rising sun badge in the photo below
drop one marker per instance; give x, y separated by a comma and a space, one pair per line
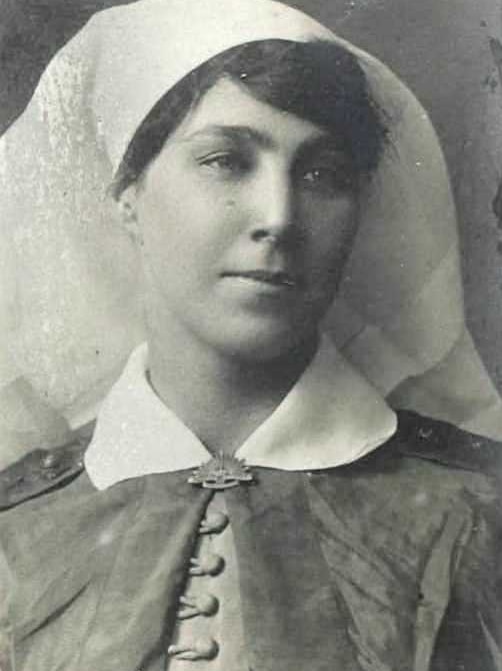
221, 472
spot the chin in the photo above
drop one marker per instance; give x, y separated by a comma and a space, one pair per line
261, 343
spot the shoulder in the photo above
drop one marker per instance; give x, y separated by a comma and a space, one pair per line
430, 469
444, 444
41, 471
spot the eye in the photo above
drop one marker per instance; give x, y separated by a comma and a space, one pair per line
227, 164
328, 180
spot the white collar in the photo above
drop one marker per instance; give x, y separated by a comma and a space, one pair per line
332, 416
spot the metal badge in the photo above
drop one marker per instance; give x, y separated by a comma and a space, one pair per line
221, 472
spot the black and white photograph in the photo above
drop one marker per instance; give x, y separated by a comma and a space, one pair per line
250, 335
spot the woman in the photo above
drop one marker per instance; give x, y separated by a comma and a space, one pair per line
245, 498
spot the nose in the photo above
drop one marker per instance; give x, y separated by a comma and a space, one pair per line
273, 206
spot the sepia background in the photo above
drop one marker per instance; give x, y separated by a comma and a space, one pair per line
450, 54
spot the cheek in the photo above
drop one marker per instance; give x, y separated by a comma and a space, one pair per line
332, 228
184, 235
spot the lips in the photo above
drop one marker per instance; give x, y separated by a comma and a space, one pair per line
278, 278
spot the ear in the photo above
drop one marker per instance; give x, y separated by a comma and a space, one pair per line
128, 212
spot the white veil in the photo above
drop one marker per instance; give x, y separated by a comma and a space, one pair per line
70, 311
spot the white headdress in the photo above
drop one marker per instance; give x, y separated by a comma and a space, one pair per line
70, 310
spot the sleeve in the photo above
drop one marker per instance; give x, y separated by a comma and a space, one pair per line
470, 638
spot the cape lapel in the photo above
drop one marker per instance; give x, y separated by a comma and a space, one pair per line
293, 616
147, 577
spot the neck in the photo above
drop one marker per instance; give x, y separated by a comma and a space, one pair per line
220, 398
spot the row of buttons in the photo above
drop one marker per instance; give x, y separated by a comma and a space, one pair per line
201, 605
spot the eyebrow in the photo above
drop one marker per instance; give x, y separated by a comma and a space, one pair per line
247, 133
233, 133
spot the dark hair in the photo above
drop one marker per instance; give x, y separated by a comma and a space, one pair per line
317, 81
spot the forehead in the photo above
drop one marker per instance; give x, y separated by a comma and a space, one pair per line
228, 106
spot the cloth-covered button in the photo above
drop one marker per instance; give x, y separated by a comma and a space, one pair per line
213, 523
49, 460
201, 648
201, 604
208, 564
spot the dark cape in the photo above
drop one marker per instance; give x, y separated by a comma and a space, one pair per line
393, 562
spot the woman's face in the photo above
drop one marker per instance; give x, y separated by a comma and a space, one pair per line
246, 218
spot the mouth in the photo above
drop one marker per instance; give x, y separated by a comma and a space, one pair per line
278, 278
